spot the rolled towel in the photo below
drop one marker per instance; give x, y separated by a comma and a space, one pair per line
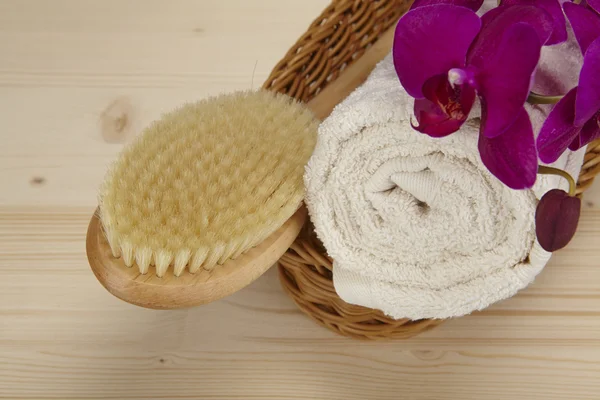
417, 226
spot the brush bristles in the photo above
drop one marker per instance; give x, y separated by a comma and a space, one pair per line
207, 182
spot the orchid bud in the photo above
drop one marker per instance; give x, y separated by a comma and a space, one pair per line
556, 219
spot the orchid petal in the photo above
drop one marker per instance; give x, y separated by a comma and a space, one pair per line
585, 23
433, 121
472, 4
444, 108
496, 21
431, 40
595, 5
588, 94
576, 143
556, 219
553, 8
558, 130
589, 133
505, 77
511, 157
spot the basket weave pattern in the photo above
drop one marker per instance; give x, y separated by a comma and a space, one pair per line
334, 40
339, 36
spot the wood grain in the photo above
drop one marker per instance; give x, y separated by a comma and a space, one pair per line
63, 336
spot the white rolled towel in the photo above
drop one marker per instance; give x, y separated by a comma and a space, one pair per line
417, 226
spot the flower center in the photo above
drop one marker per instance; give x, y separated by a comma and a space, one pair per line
450, 100
459, 76
450, 96
453, 108
454, 95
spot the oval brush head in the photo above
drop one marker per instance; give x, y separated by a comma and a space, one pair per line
207, 182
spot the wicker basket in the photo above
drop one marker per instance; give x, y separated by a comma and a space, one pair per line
336, 39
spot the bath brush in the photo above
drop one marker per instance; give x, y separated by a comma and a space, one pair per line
203, 201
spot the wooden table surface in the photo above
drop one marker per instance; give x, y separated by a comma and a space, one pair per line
78, 78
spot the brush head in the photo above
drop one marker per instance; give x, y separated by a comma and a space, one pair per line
207, 182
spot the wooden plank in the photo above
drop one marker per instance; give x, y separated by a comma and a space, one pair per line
64, 336
80, 78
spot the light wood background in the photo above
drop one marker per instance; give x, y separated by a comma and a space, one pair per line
78, 78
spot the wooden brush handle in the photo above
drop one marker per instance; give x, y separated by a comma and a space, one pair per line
187, 290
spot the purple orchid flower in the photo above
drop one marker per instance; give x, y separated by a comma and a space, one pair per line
575, 119
445, 55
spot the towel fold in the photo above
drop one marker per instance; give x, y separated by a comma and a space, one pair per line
417, 226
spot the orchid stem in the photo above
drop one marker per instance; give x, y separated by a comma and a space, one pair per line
535, 98
544, 170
